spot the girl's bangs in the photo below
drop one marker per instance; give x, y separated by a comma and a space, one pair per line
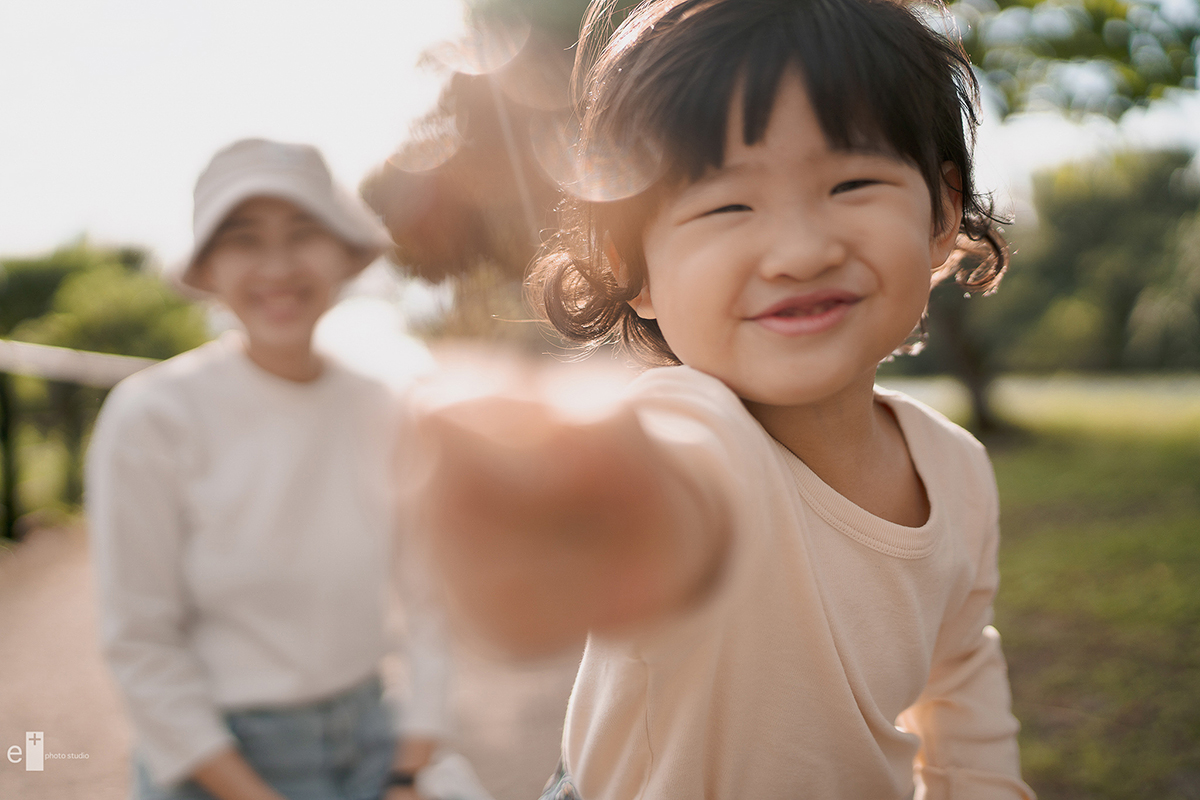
859, 79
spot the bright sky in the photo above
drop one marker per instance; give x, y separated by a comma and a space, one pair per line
110, 109
1007, 154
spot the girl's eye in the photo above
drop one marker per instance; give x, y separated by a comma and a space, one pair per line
732, 208
849, 186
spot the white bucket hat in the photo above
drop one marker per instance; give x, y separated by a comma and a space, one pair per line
295, 172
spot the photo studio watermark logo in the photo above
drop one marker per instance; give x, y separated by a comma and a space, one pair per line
34, 755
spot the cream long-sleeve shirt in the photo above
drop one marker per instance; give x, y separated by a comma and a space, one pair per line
840, 657
241, 527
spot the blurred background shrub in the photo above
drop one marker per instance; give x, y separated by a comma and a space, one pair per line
90, 298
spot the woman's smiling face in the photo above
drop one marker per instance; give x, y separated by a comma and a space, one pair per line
792, 270
278, 269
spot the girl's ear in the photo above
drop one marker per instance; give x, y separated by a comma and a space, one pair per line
640, 304
944, 241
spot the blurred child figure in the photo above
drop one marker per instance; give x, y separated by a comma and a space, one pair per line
240, 509
786, 572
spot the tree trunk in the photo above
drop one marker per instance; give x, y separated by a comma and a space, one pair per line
968, 358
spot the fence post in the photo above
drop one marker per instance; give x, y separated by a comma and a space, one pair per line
8, 454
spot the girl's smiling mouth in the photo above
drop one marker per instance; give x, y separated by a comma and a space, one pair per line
281, 304
807, 314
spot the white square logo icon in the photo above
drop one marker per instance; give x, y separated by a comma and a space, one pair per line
35, 743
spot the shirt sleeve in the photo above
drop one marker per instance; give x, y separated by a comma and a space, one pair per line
423, 709
963, 717
137, 526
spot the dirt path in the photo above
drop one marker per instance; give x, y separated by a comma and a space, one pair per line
52, 680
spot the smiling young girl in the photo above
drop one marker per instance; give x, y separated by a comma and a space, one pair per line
240, 513
786, 572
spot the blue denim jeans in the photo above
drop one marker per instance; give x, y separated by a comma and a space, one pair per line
335, 749
560, 786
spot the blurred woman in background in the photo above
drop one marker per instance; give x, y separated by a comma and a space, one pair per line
241, 518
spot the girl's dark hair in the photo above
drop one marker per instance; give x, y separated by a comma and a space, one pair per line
657, 94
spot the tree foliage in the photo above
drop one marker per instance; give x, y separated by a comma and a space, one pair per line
1164, 325
28, 285
1107, 279
1098, 56
106, 300
109, 308
1107, 236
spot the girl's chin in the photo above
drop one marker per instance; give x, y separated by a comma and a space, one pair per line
797, 393
282, 336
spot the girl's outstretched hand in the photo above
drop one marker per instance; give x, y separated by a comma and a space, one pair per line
544, 527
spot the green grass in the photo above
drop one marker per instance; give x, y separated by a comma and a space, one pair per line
1100, 600
1099, 603
1154, 405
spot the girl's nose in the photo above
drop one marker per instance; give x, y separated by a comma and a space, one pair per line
277, 260
802, 247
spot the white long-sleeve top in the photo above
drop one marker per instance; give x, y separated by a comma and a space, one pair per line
841, 656
241, 528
